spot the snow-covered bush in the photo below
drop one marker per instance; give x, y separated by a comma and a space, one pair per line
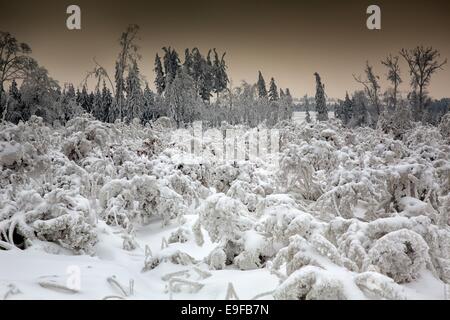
140, 200
310, 283
60, 216
401, 255
444, 127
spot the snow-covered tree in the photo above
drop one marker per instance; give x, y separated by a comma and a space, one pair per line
308, 114
220, 73
393, 75
182, 99
347, 109
135, 99
171, 64
261, 85
160, 80
321, 102
423, 62
273, 91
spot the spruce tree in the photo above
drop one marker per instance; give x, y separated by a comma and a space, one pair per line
288, 93
14, 111
321, 103
160, 81
69, 93
347, 110
171, 64
106, 102
206, 78
219, 73
118, 113
135, 101
273, 91
150, 112
308, 115
197, 67
97, 105
261, 85
188, 62
83, 99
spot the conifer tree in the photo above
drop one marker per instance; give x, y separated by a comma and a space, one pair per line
261, 86
160, 81
188, 62
171, 64
102, 112
273, 91
83, 99
219, 73
347, 110
119, 103
135, 101
150, 112
97, 105
308, 114
321, 103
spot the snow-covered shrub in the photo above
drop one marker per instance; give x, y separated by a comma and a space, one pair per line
224, 218
181, 235
217, 259
61, 217
310, 283
377, 286
140, 200
282, 221
223, 176
397, 123
11, 154
77, 147
297, 174
401, 255
444, 127
353, 193
244, 192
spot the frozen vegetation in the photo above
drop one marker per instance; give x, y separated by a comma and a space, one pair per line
344, 214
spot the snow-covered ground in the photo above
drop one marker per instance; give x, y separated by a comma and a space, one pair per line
301, 116
94, 211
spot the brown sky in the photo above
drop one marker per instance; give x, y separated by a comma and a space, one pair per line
289, 40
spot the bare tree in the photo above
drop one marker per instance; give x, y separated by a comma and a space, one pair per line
393, 75
15, 62
100, 74
423, 63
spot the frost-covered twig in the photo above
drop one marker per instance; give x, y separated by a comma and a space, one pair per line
114, 283
13, 290
57, 287
231, 293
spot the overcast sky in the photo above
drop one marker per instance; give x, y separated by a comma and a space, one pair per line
289, 40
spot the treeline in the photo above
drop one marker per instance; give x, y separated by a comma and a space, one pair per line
197, 88
389, 110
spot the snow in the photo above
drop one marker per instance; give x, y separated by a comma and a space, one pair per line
344, 214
